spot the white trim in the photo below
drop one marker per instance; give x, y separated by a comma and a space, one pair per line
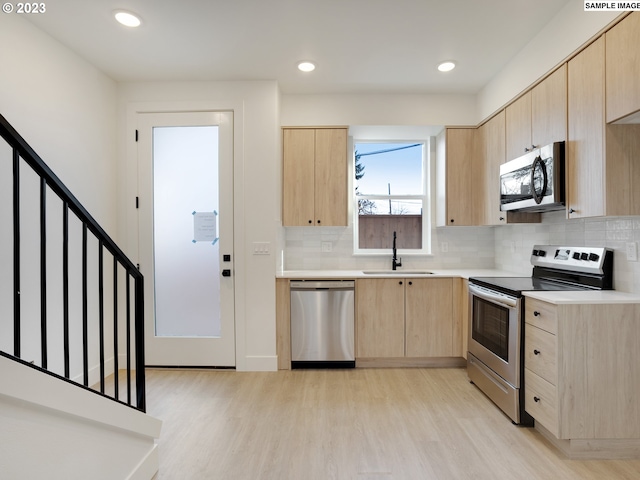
425, 197
262, 363
147, 467
26, 384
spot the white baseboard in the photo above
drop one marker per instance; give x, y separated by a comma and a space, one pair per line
261, 364
148, 467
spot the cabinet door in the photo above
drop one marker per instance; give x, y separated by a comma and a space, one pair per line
518, 127
549, 109
460, 317
380, 318
464, 177
298, 149
283, 323
493, 133
331, 190
585, 146
623, 68
429, 317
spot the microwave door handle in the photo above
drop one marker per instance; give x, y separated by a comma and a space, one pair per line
486, 295
538, 162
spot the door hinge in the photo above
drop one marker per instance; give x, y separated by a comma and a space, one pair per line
136, 135
137, 202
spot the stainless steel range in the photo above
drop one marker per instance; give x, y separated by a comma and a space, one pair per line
496, 333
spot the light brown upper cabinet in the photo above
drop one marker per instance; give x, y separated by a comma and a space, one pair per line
491, 143
315, 190
602, 172
539, 117
585, 148
623, 68
460, 177
492, 134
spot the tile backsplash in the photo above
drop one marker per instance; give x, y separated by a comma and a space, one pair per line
504, 247
467, 247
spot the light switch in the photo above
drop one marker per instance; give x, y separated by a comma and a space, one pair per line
261, 248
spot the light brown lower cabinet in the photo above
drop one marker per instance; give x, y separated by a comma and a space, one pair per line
380, 317
399, 322
408, 319
582, 376
429, 317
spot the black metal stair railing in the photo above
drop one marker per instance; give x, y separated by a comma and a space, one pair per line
83, 334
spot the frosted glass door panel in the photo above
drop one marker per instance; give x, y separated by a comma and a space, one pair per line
187, 266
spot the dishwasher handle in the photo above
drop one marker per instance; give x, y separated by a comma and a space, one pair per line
322, 285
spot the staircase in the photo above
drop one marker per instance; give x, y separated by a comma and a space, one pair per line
72, 382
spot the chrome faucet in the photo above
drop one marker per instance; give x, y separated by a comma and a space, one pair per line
394, 261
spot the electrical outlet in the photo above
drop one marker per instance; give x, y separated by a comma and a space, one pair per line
444, 247
632, 251
327, 247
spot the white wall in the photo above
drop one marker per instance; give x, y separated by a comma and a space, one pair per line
66, 110
387, 109
256, 192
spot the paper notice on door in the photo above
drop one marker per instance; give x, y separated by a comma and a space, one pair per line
205, 226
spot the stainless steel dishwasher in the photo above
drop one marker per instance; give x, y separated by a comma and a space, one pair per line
322, 324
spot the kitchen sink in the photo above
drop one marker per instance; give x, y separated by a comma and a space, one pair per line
396, 272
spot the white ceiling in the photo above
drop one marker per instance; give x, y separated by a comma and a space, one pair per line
367, 46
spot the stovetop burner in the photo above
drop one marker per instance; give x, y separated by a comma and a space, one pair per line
516, 285
559, 268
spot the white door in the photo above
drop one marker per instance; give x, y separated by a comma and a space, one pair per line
185, 183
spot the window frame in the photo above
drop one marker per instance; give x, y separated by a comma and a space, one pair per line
425, 197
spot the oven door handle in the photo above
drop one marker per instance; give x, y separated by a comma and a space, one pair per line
488, 295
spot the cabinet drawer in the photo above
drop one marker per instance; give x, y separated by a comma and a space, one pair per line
541, 314
540, 349
541, 401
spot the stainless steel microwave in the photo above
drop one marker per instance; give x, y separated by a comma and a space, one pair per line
534, 182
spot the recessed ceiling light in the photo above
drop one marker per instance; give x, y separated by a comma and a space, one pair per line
306, 66
127, 19
446, 66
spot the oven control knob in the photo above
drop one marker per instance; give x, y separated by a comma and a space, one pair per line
542, 253
594, 257
576, 255
535, 253
584, 256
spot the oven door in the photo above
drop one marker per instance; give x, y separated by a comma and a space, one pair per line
495, 331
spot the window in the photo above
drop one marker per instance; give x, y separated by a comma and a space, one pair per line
391, 195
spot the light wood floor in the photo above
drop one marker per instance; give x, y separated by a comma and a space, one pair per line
364, 424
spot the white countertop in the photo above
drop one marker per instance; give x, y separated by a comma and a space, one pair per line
556, 298
577, 297
402, 273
